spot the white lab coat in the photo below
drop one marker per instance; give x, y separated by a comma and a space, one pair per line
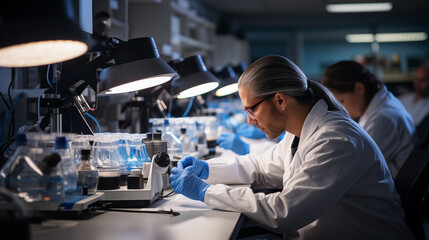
418, 110
337, 186
391, 127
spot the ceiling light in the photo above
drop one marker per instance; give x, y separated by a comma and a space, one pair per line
401, 37
360, 38
359, 7
386, 37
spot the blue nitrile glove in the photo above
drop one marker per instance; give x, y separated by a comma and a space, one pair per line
194, 165
185, 182
250, 131
233, 142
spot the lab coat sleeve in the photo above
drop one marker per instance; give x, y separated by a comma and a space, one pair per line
385, 134
258, 148
264, 170
318, 183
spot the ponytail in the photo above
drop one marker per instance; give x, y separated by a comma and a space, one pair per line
320, 92
273, 73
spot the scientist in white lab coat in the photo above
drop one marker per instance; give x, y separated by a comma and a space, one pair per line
335, 182
380, 113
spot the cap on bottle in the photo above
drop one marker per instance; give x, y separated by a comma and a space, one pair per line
85, 153
183, 130
149, 136
60, 143
157, 136
21, 140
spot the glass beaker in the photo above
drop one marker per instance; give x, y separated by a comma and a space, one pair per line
106, 159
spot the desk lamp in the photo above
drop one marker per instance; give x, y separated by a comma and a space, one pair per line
194, 79
137, 66
228, 83
36, 33
240, 68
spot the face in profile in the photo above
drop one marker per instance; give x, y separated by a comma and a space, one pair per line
421, 82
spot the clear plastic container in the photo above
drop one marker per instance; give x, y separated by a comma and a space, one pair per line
202, 142
68, 167
33, 181
186, 142
174, 145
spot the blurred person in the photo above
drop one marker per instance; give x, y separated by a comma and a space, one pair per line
334, 179
247, 139
417, 102
379, 112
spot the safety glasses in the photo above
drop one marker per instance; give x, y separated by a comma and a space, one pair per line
250, 110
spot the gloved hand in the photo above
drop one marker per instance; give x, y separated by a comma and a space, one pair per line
194, 165
250, 131
233, 142
185, 182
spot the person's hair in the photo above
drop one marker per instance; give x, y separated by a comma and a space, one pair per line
273, 73
342, 76
102, 14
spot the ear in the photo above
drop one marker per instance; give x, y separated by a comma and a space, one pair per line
280, 101
360, 88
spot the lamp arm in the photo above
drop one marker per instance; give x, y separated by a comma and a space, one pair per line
79, 77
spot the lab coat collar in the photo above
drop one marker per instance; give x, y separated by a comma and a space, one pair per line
312, 120
378, 99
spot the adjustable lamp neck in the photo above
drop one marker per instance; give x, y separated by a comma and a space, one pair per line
72, 83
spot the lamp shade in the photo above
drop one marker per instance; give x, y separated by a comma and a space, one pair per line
240, 68
228, 82
37, 33
137, 66
194, 79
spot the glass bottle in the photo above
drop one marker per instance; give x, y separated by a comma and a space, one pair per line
31, 181
185, 141
174, 145
68, 168
87, 174
202, 142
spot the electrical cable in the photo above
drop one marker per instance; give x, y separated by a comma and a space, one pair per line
47, 76
5, 101
95, 120
5, 145
38, 107
12, 126
189, 107
10, 112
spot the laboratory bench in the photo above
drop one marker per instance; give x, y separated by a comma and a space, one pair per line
106, 225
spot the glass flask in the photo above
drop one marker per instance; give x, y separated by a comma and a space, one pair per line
87, 174
107, 160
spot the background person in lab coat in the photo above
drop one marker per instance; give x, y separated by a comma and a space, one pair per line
334, 180
417, 102
379, 112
